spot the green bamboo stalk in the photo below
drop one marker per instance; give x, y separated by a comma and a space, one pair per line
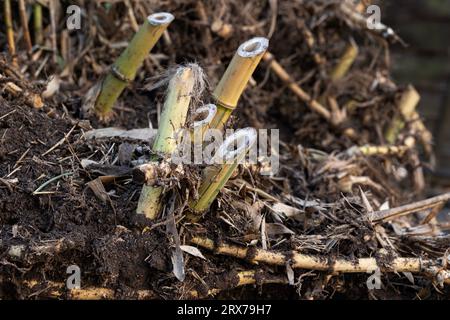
125, 68
226, 161
235, 79
37, 23
173, 118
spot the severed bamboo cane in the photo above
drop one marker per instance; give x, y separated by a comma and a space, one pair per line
224, 163
304, 261
389, 214
235, 79
124, 69
173, 118
24, 21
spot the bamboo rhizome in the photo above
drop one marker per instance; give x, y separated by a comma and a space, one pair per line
407, 106
236, 77
173, 118
227, 157
124, 69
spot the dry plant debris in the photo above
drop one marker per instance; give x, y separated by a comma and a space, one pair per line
345, 201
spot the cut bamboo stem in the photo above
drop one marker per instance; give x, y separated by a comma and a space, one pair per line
310, 262
407, 106
345, 62
10, 31
295, 88
24, 21
173, 118
226, 161
124, 69
37, 23
235, 79
389, 214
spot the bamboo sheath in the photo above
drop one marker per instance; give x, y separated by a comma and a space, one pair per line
235, 79
124, 69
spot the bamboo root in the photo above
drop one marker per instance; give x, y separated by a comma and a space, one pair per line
125, 68
235, 79
389, 214
303, 261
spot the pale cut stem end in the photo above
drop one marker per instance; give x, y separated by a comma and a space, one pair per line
226, 160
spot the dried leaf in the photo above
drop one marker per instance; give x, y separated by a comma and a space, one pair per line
97, 187
193, 251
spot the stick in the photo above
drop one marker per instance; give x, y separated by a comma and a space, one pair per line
37, 23
242, 278
299, 92
173, 118
389, 214
10, 31
310, 262
24, 20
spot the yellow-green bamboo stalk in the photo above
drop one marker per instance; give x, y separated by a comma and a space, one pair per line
224, 163
173, 118
9, 30
37, 23
407, 105
236, 77
124, 69
345, 62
